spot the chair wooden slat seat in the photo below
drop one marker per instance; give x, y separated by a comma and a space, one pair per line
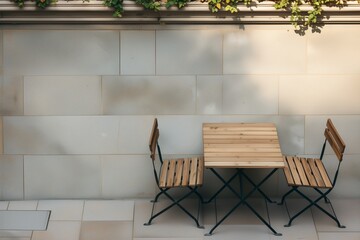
307, 169
311, 173
173, 174
306, 172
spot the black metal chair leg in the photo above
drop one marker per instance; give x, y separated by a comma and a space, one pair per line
199, 195
158, 195
296, 215
172, 205
304, 209
333, 217
199, 207
314, 203
285, 195
165, 209
337, 220
151, 217
182, 208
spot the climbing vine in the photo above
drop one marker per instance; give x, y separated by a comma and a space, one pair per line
38, 3
117, 5
298, 17
310, 17
227, 5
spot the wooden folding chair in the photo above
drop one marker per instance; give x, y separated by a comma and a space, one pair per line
175, 173
311, 172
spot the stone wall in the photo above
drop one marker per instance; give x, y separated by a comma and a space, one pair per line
77, 102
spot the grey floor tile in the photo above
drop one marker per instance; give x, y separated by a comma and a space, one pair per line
24, 220
339, 235
63, 209
15, 234
109, 210
23, 205
172, 224
11, 238
240, 232
167, 238
242, 215
106, 230
347, 211
301, 228
59, 230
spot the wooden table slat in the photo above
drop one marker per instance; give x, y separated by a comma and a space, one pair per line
241, 150
243, 154
244, 159
249, 164
239, 125
239, 132
241, 141
239, 136
240, 145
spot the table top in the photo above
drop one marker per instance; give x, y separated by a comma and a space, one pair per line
241, 145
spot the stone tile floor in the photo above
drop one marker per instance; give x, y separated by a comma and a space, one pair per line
123, 220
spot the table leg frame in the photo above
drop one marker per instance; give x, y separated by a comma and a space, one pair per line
241, 174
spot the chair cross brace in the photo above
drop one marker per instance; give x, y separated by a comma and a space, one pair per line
175, 203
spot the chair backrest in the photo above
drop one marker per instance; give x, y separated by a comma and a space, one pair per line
154, 136
334, 139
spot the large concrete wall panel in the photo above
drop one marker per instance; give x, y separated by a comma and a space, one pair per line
62, 52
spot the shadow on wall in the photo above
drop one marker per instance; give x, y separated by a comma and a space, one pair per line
23, 135
188, 52
11, 95
149, 95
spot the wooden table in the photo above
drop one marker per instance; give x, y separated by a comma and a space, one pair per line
239, 146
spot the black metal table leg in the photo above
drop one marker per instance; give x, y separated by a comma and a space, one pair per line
226, 184
256, 187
